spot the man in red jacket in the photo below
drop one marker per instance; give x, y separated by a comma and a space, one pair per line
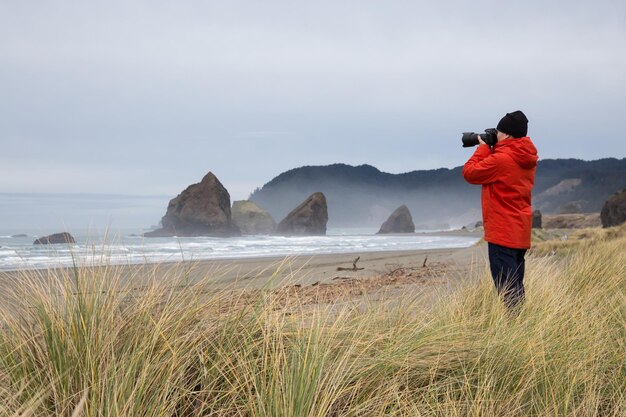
507, 174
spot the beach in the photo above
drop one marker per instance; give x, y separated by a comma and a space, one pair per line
327, 276
328, 268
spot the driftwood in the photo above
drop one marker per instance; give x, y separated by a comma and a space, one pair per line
354, 267
424, 264
344, 278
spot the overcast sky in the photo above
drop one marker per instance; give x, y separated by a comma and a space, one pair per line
145, 97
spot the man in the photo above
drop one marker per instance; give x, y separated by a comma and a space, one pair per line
507, 174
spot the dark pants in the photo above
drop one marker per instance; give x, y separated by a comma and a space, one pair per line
507, 269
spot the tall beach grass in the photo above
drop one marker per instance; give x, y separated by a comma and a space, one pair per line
91, 341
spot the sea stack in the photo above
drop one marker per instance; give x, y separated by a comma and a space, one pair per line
400, 221
202, 209
308, 219
55, 238
251, 219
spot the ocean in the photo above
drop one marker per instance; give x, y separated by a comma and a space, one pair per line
109, 228
127, 247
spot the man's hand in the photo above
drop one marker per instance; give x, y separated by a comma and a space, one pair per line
481, 141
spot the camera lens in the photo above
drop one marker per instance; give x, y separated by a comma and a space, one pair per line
469, 139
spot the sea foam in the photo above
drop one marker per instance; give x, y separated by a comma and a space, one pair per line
19, 253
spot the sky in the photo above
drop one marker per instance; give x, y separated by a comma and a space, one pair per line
146, 97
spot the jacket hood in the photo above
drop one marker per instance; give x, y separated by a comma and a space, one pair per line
522, 150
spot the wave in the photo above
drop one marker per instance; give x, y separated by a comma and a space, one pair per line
15, 255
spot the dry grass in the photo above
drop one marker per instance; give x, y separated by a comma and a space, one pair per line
564, 241
90, 343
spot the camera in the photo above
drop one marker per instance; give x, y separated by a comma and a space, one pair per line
471, 138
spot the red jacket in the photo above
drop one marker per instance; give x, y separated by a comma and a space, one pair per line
507, 175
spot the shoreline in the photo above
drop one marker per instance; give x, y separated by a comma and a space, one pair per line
279, 271
195, 253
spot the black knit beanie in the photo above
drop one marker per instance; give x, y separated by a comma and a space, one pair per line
514, 124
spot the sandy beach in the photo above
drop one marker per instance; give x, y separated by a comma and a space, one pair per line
328, 276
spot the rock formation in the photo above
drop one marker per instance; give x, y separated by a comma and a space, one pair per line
536, 219
251, 219
308, 219
614, 210
400, 221
55, 238
202, 209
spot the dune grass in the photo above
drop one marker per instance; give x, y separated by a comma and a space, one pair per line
565, 241
88, 341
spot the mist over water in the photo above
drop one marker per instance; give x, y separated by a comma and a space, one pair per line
97, 214
110, 227
369, 206
42, 214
